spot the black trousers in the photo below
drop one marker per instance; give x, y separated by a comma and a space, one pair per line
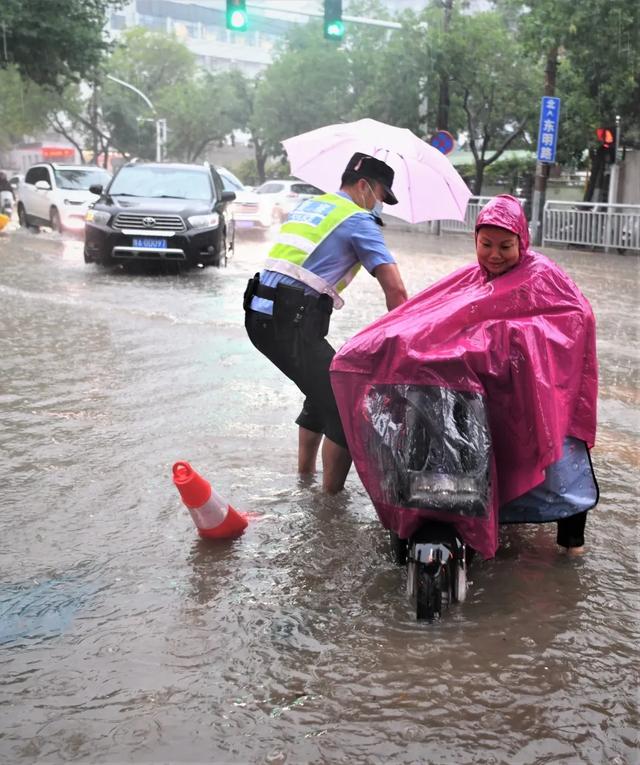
571, 530
299, 350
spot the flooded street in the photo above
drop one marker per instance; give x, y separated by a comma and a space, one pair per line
126, 639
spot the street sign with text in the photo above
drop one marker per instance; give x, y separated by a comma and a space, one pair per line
548, 130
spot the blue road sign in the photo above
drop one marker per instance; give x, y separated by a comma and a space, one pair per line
548, 130
443, 141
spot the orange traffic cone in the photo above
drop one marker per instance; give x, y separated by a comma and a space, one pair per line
214, 518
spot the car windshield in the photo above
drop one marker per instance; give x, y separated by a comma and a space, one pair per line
81, 177
229, 180
305, 188
172, 182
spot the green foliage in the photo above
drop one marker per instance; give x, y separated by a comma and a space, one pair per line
493, 83
504, 169
156, 64
389, 72
151, 61
304, 88
598, 53
54, 42
200, 111
248, 173
491, 64
22, 107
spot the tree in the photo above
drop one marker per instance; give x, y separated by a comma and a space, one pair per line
305, 87
154, 63
199, 107
23, 108
591, 53
77, 116
200, 111
389, 70
493, 82
53, 42
245, 91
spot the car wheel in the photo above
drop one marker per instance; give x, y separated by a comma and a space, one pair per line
23, 220
54, 220
224, 252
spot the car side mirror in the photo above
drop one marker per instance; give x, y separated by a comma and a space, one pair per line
43, 185
228, 196
96, 188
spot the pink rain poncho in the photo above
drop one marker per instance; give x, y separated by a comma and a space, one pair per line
467, 391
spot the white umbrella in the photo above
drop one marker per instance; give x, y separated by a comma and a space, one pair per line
426, 184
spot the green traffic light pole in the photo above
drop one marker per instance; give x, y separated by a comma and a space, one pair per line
319, 15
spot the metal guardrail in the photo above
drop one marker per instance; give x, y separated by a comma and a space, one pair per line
592, 224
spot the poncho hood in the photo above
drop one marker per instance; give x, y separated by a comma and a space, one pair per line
506, 212
523, 341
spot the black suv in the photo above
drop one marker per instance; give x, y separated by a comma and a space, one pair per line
154, 212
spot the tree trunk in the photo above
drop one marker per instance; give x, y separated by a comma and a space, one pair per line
551, 71
479, 177
261, 159
444, 100
93, 118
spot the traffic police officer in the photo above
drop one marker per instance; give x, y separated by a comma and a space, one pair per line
320, 247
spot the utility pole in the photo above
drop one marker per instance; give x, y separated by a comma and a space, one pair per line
614, 168
161, 124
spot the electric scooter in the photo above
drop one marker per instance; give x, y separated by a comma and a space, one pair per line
432, 446
433, 450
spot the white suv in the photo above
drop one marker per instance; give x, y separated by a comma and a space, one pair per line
58, 195
277, 198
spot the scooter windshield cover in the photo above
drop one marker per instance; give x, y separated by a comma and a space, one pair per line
430, 448
522, 342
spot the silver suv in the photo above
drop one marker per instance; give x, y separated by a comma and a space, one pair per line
58, 195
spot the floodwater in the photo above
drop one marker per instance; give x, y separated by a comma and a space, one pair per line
126, 639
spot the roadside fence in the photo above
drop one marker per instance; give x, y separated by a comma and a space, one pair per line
592, 224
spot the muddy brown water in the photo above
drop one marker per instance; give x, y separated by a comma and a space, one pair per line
125, 639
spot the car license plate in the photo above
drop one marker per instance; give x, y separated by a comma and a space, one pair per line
155, 244
244, 223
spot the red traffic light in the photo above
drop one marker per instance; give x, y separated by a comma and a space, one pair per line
605, 136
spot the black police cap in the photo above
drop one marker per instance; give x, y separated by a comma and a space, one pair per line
367, 166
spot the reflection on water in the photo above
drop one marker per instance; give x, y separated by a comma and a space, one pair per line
126, 638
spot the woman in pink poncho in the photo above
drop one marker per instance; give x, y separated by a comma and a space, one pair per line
513, 330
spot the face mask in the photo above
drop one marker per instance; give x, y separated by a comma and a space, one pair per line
377, 209
377, 205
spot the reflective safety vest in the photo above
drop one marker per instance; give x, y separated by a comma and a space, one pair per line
307, 226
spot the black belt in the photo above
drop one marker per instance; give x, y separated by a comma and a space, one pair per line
323, 302
262, 291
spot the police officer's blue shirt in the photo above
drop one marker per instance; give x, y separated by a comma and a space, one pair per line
357, 239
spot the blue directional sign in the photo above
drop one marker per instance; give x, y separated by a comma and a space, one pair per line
548, 130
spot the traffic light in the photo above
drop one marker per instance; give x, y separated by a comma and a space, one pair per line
333, 24
607, 138
237, 16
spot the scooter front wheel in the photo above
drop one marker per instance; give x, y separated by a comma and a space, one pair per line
429, 591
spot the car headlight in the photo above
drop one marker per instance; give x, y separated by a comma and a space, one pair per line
210, 220
97, 216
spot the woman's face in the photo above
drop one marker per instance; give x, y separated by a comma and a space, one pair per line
497, 249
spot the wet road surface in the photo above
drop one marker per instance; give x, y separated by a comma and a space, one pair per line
125, 639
